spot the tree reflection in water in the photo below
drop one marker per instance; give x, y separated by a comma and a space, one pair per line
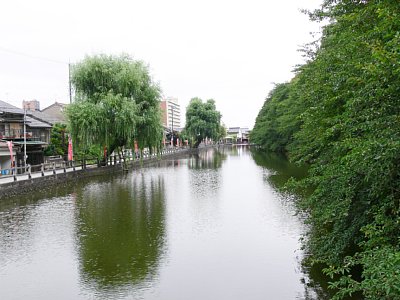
207, 159
121, 231
280, 169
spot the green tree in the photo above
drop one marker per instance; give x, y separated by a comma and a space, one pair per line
346, 99
202, 120
222, 132
116, 102
58, 141
276, 121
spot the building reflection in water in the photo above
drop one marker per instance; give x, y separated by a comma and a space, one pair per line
121, 231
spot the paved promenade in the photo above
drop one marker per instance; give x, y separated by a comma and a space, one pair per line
20, 177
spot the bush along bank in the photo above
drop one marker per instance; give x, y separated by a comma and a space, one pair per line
340, 114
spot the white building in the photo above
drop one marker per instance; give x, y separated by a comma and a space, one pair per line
171, 113
237, 135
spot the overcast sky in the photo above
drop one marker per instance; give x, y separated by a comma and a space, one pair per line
231, 51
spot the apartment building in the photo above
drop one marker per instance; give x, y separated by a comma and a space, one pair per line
171, 113
32, 105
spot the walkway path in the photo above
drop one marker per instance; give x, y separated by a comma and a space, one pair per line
20, 177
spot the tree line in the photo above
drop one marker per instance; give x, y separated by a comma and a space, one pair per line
117, 104
340, 115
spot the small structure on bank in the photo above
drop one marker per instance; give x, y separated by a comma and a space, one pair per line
237, 135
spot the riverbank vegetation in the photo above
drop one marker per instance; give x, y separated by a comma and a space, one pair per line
116, 102
340, 115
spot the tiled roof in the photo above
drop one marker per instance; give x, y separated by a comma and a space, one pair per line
6, 107
44, 117
34, 123
31, 119
55, 104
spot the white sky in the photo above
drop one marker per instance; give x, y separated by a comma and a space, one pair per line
231, 51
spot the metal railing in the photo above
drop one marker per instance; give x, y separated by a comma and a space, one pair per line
60, 166
19, 134
15, 133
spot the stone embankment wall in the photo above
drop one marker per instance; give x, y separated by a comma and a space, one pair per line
40, 183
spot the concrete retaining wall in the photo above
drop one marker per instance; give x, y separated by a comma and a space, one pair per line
40, 183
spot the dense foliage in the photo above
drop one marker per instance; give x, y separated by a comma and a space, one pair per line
275, 123
203, 121
341, 115
58, 141
116, 102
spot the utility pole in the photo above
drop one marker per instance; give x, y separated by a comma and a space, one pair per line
25, 139
69, 83
172, 109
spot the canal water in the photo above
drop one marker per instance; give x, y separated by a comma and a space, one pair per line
210, 226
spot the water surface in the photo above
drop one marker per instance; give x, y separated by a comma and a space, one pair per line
209, 226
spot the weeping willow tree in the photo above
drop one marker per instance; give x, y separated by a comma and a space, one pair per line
115, 102
203, 121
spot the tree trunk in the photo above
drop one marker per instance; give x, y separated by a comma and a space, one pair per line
197, 143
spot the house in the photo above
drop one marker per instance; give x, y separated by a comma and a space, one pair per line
51, 115
36, 135
56, 111
237, 135
245, 134
49, 119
